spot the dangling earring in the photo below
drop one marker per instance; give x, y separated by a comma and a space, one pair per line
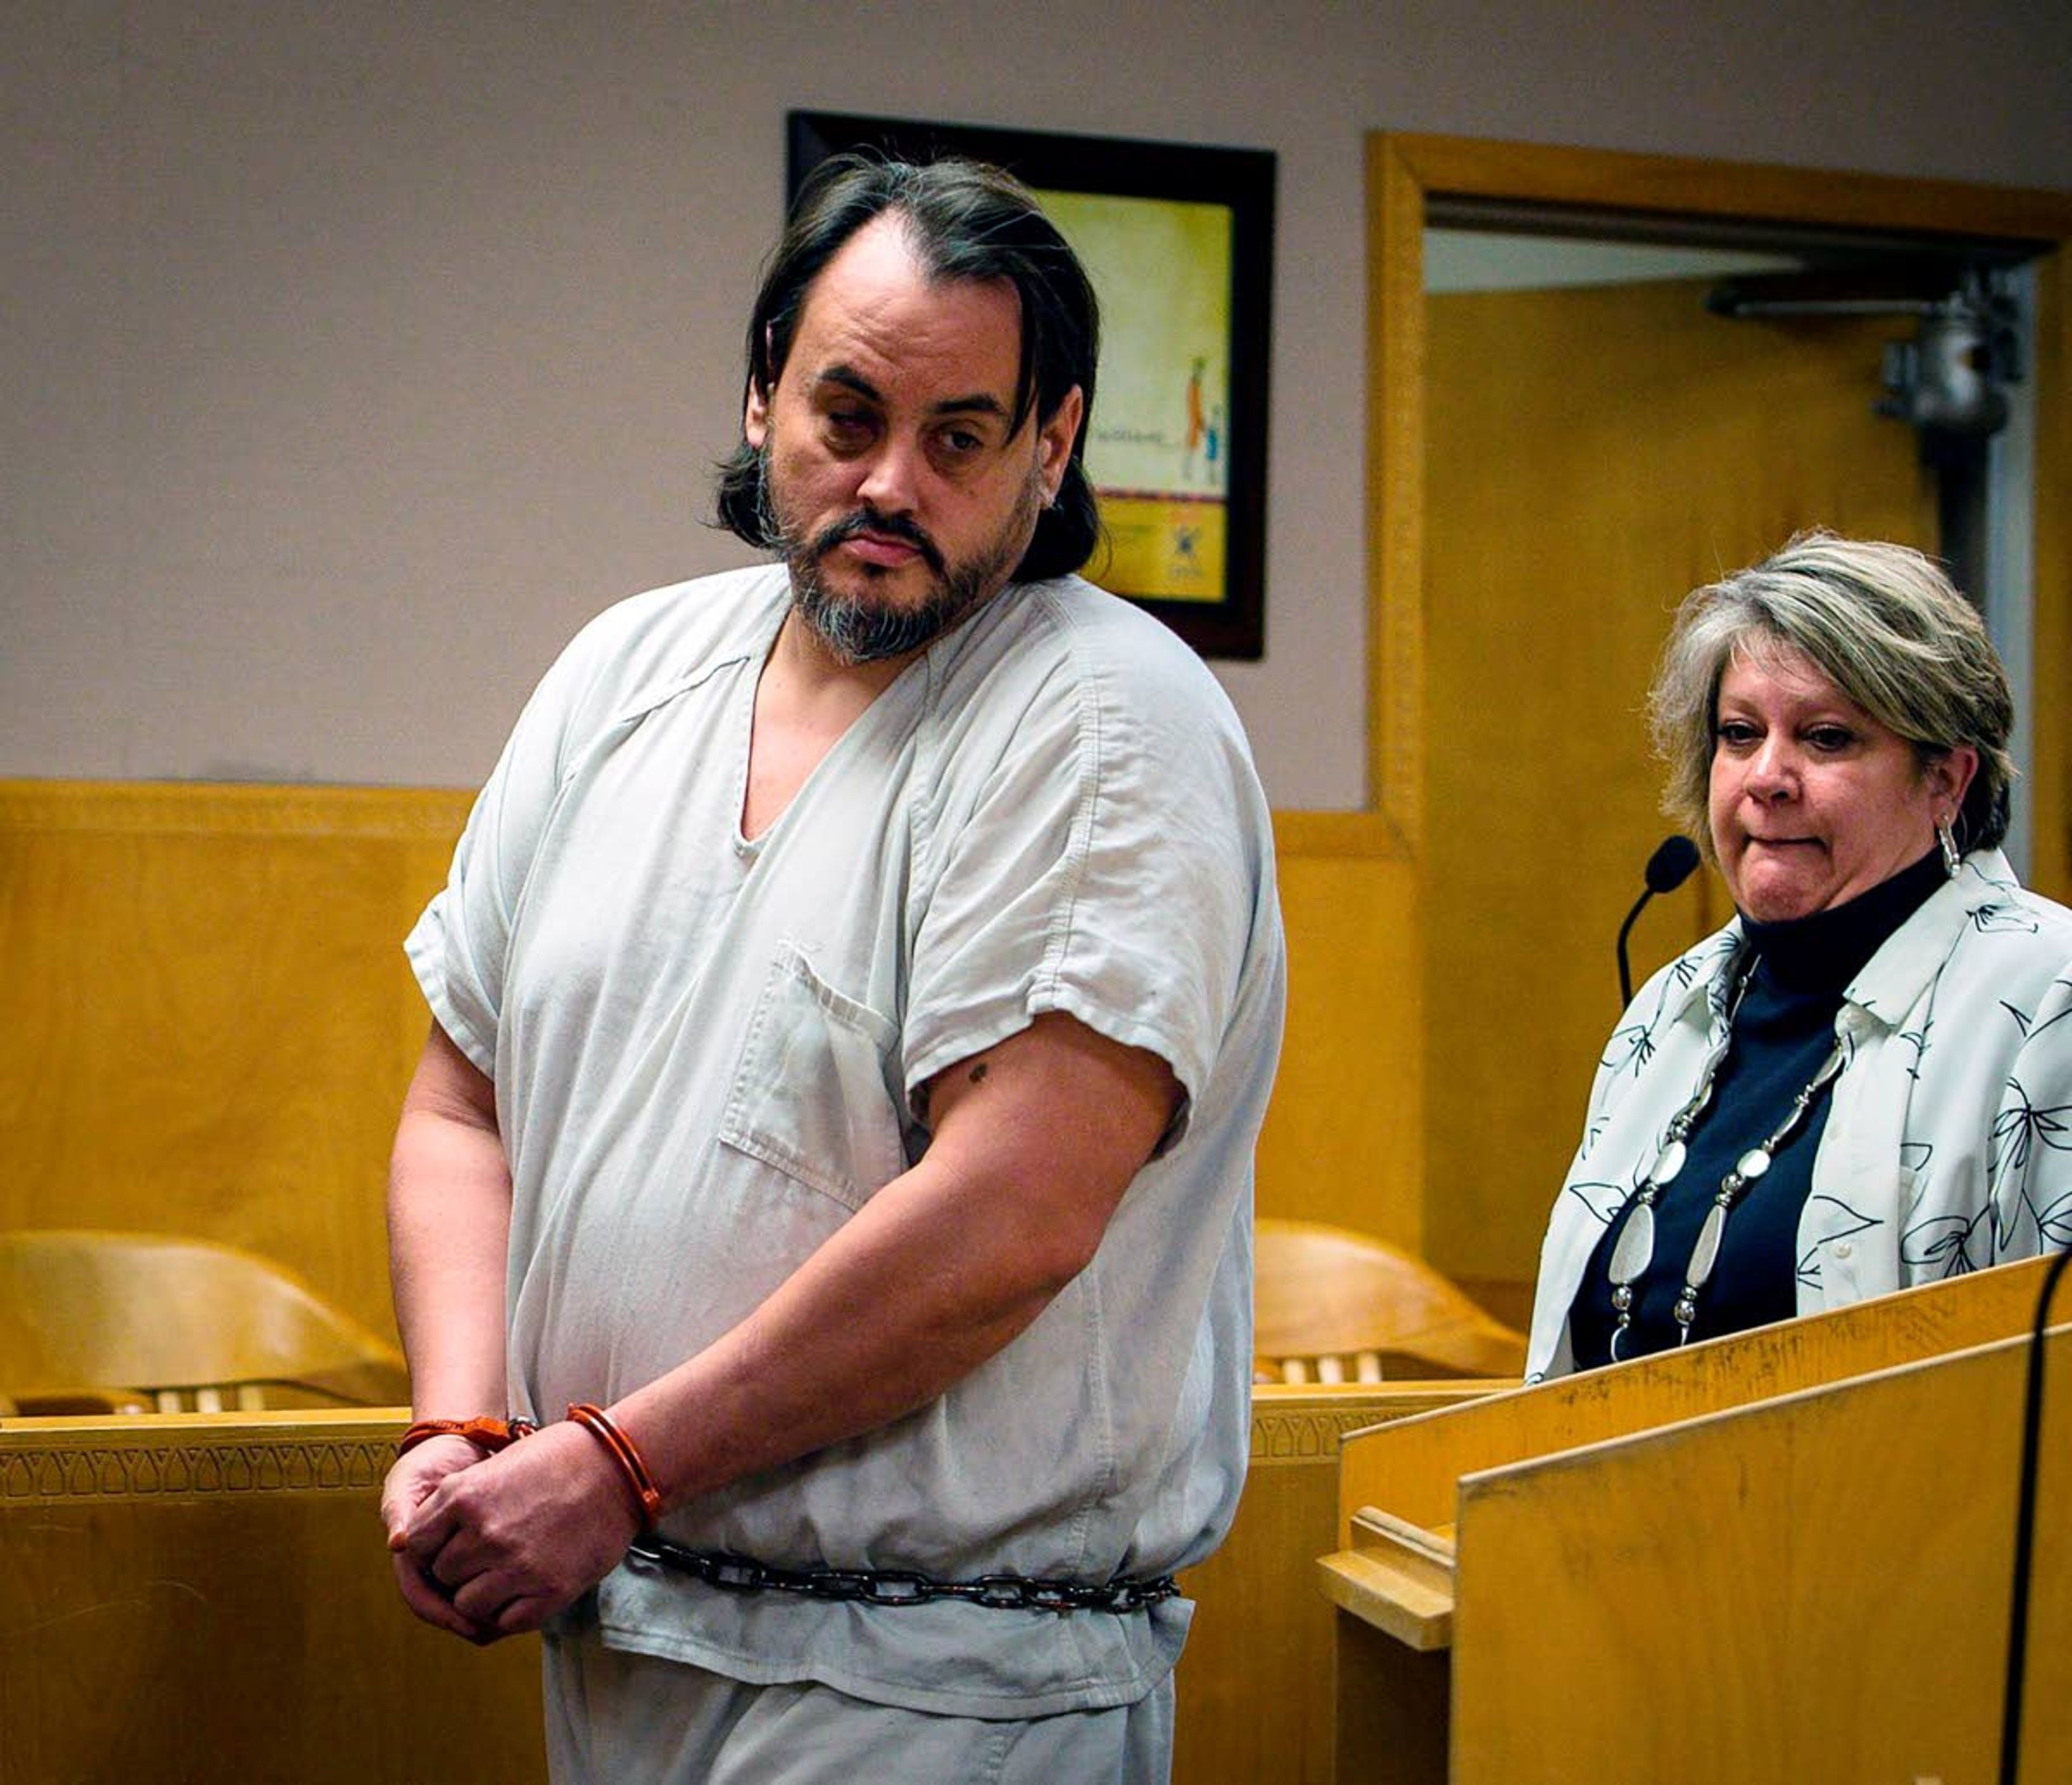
1944, 835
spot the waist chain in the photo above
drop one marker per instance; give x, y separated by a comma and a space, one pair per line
897, 1586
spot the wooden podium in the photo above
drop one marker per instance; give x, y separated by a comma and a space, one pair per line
1783, 1556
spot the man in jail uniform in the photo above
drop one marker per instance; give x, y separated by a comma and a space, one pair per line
855, 997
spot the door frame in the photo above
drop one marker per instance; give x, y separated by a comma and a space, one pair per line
1405, 170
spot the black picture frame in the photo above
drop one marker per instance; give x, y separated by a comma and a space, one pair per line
1155, 532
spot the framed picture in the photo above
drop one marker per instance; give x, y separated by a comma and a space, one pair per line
1179, 241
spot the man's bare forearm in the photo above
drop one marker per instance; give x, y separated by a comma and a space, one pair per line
449, 1230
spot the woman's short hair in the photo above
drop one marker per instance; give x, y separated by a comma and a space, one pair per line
1884, 624
965, 220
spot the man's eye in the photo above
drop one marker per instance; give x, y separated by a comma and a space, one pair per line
961, 442
848, 426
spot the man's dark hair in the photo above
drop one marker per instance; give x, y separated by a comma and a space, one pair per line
965, 220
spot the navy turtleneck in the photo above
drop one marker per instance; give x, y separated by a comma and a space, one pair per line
1783, 1030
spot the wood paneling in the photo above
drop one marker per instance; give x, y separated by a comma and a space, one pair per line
2050, 717
206, 1023
1256, 1683
1343, 1135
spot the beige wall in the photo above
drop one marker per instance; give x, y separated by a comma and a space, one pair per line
356, 352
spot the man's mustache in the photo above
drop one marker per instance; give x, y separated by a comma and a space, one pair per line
891, 527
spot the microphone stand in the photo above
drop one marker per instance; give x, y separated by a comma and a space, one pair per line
1674, 860
1626, 929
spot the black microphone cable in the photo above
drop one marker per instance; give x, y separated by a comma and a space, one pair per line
2025, 1529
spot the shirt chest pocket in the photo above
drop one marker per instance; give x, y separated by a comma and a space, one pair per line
817, 1093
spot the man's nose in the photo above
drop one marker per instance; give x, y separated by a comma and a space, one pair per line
891, 479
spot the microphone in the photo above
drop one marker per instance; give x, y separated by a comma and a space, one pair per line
1674, 861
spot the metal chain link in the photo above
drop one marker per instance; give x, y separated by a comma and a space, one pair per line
898, 1586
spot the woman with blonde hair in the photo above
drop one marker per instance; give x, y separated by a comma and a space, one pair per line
1865, 1080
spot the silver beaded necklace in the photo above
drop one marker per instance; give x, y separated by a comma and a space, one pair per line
1633, 1250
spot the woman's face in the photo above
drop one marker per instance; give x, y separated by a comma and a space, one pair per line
1813, 801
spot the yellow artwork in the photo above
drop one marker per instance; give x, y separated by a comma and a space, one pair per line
1158, 445
1171, 546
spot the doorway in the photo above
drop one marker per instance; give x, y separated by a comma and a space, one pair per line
1562, 450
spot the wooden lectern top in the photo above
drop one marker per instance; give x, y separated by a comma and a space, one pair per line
1784, 1554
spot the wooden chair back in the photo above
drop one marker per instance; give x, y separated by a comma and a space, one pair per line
1332, 1304
94, 1321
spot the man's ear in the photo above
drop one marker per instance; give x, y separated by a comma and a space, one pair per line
1055, 438
755, 411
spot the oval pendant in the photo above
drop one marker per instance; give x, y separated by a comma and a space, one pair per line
1668, 1163
1753, 1162
1706, 1253
1635, 1245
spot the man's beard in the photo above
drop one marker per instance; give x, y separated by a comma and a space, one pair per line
856, 629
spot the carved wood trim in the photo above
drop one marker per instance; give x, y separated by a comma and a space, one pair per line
1306, 1424
54, 1462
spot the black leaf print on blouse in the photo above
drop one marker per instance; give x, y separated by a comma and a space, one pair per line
1631, 1047
1834, 1219
1603, 1200
1723, 946
1987, 918
2022, 1019
1917, 1040
2021, 1126
1945, 1242
2053, 1221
